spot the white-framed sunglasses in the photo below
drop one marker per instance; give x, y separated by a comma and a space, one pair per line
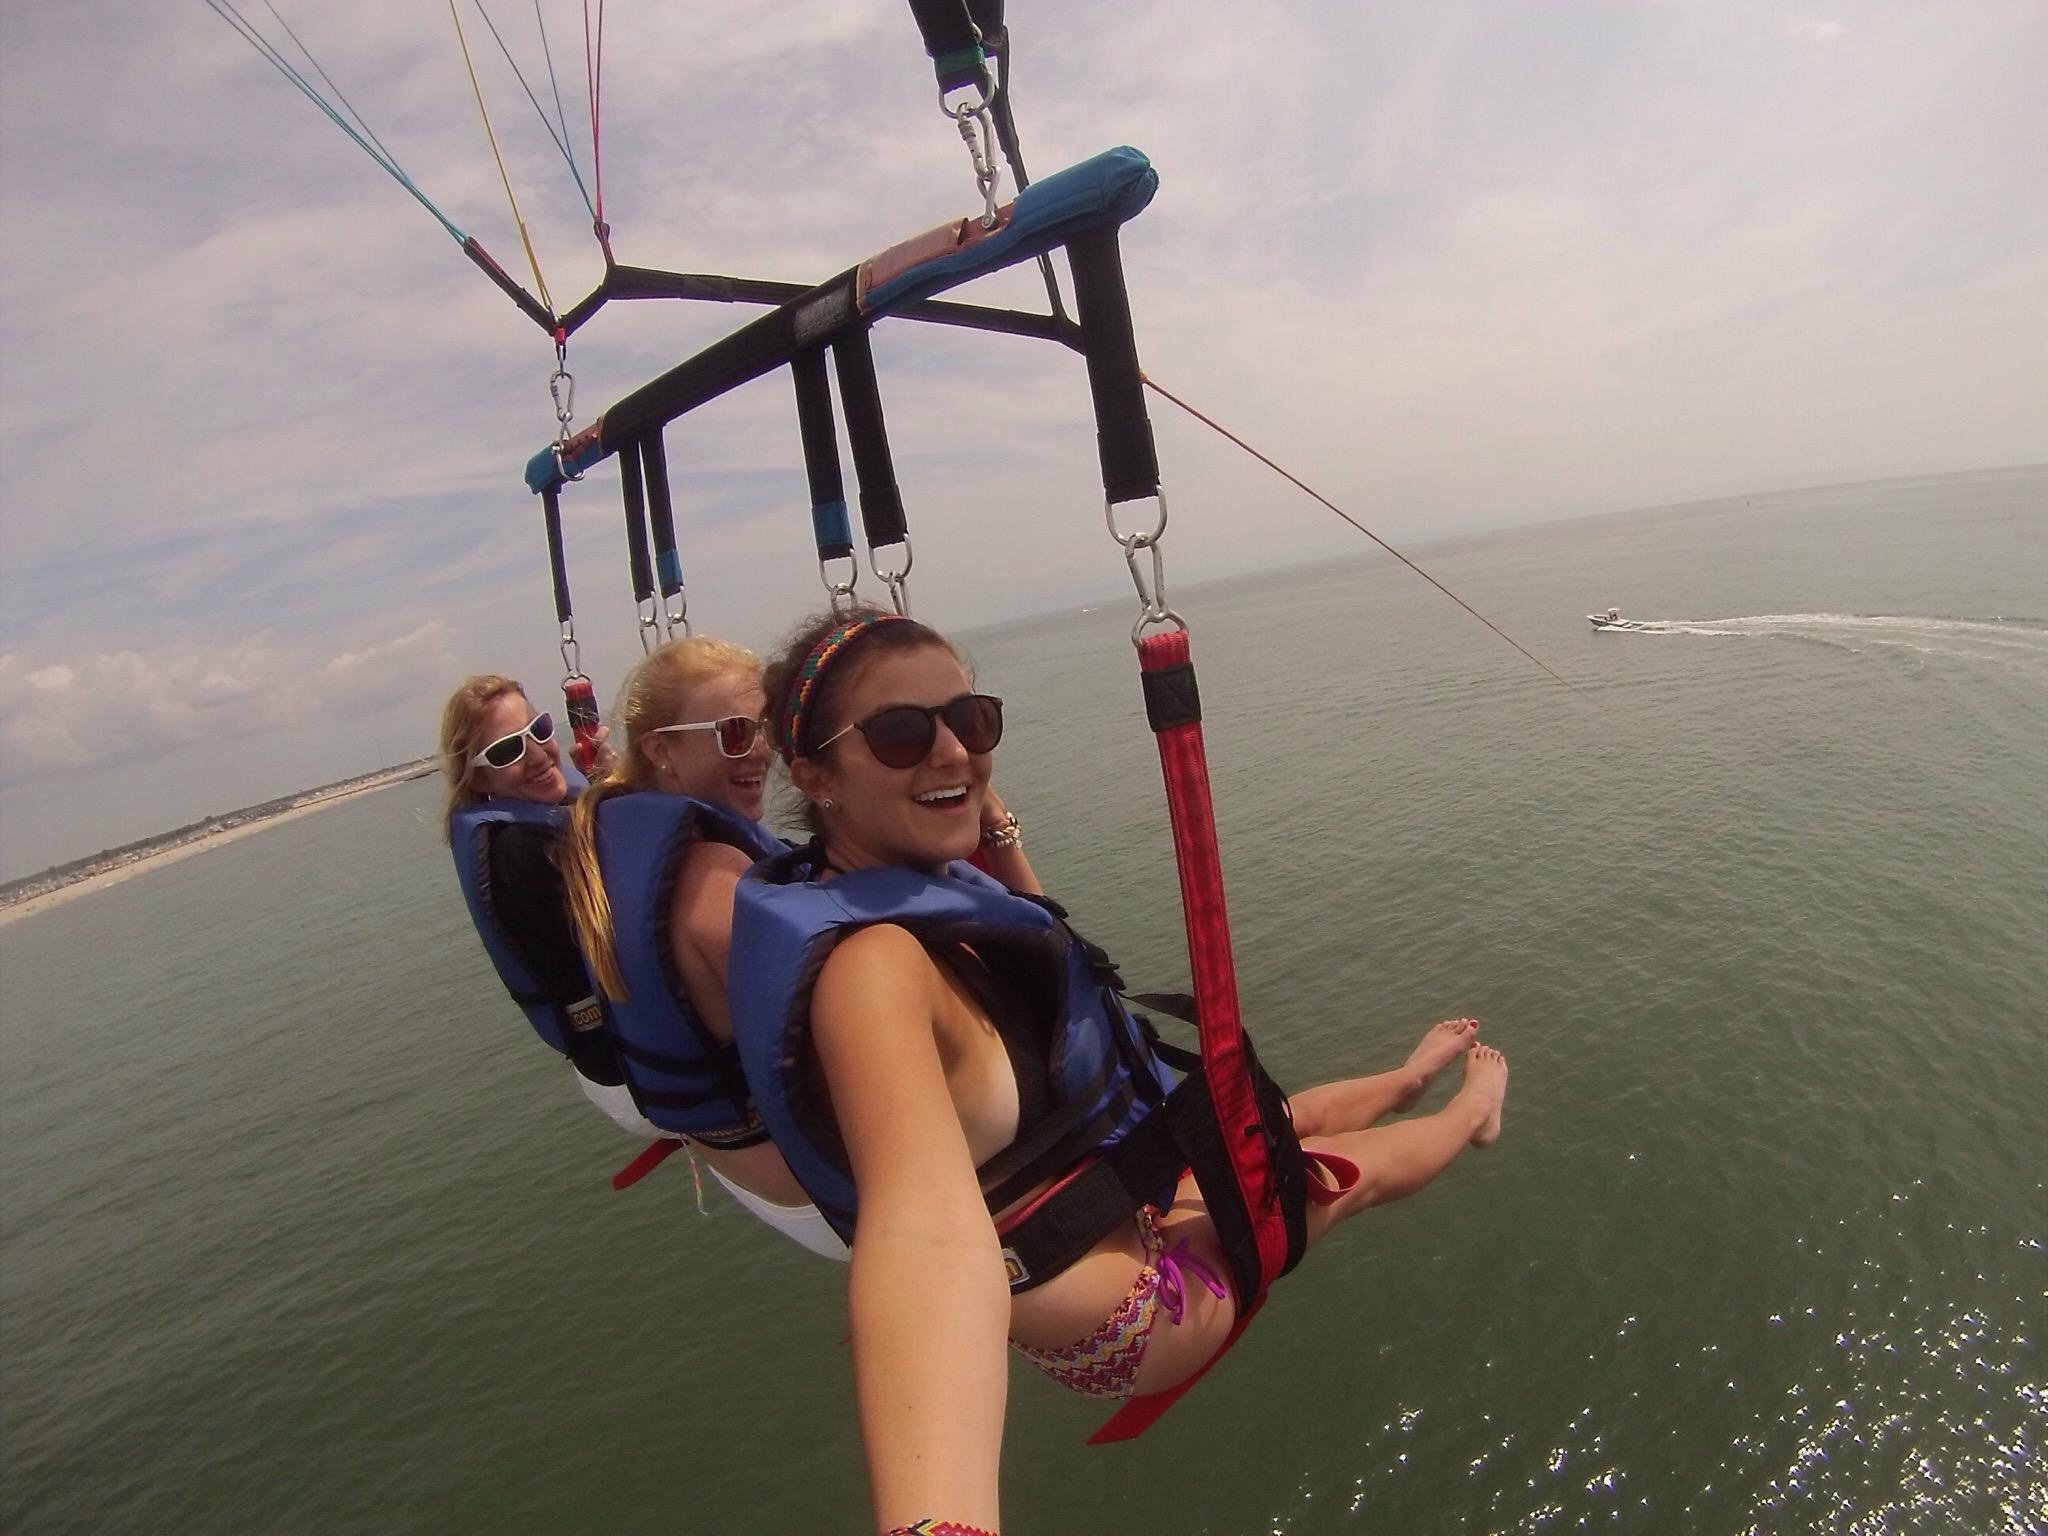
509, 748
736, 733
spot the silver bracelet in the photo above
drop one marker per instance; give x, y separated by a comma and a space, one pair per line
1007, 833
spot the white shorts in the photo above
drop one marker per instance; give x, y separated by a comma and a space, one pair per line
801, 1224
618, 1106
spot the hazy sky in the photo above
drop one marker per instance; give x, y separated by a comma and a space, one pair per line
1463, 265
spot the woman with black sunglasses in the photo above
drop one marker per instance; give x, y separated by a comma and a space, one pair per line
949, 1063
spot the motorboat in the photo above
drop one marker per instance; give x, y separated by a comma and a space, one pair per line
1611, 619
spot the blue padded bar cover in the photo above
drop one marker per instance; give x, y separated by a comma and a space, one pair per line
670, 565
542, 470
1109, 189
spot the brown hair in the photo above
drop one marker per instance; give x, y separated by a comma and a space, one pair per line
461, 725
652, 695
821, 714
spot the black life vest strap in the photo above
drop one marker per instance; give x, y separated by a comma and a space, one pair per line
661, 1061
723, 1066
1180, 1136
1140, 1170
1054, 1144
1175, 1005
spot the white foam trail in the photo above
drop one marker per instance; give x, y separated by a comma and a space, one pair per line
1999, 639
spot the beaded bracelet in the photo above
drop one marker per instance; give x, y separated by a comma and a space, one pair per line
930, 1527
1007, 833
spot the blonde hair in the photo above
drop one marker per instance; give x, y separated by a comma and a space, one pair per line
461, 726
653, 695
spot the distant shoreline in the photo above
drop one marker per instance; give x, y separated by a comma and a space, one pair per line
306, 805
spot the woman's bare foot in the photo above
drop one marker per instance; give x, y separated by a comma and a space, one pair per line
1441, 1045
1486, 1083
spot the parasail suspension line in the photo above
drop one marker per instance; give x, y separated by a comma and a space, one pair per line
593, 84
1159, 389
532, 261
560, 140
384, 158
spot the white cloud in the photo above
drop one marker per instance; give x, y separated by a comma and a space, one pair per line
1813, 30
131, 706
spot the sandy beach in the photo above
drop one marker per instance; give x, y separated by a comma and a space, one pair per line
143, 866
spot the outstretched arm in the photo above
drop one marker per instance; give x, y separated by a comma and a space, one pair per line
929, 1300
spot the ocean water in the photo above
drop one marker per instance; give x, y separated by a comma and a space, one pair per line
299, 1233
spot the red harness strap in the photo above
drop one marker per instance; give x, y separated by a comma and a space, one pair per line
651, 1157
1164, 657
1175, 711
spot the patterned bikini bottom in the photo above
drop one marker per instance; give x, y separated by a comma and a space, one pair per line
1105, 1364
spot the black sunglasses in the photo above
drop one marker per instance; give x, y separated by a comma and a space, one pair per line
901, 735
507, 750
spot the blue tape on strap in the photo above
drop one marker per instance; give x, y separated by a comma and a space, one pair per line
669, 566
1111, 188
833, 528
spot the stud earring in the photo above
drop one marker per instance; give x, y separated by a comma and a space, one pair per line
826, 804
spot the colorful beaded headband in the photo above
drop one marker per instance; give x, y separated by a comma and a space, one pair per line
804, 687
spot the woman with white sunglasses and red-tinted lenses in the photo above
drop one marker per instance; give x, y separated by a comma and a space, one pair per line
654, 849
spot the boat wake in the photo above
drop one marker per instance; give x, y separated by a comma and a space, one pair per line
2017, 640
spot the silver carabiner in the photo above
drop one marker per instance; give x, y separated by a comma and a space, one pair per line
649, 613
679, 616
1153, 609
841, 593
899, 597
572, 654
1142, 539
981, 150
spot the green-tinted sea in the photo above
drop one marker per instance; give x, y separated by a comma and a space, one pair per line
302, 1233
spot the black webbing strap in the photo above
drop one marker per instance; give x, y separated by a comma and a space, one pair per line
531, 307
952, 40
661, 1061
1139, 1170
1123, 430
987, 16
1055, 1143
1173, 696
881, 503
636, 525
1175, 1005
661, 514
558, 565
820, 433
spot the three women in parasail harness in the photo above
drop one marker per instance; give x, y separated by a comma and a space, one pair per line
947, 1074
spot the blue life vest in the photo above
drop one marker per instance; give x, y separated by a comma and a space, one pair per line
1105, 1077
554, 1019
683, 1077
